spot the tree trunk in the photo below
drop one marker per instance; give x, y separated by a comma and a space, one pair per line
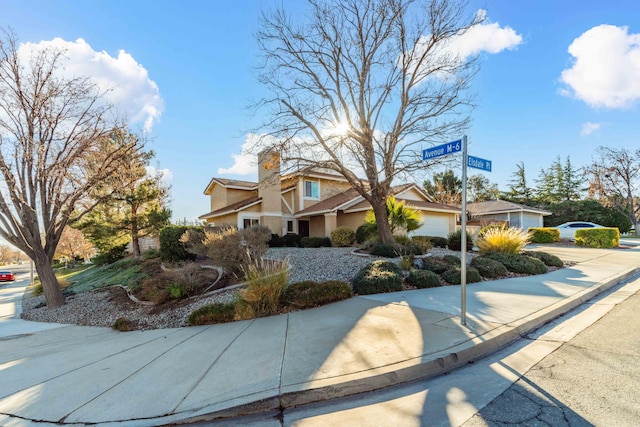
135, 246
379, 205
50, 286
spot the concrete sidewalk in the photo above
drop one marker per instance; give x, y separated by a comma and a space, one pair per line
83, 375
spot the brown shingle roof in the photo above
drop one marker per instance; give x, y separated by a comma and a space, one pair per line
331, 203
501, 206
234, 207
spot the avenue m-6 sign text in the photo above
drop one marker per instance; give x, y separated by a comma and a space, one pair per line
442, 150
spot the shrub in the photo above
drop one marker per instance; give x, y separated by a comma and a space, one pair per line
228, 247
453, 276
454, 241
437, 241
150, 254
423, 279
291, 240
213, 313
543, 235
343, 236
436, 264
365, 232
265, 282
488, 267
488, 227
112, 255
123, 324
547, 259
275, 241
518, 263
411, 248
451, 259
406, 262
598, 237
425, 242
384, 250
313, 294
172, 249
378, 277
315, 242
505, 240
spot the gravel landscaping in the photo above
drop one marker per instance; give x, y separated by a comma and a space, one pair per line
103, 307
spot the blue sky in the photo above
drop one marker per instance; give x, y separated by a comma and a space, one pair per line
190, 65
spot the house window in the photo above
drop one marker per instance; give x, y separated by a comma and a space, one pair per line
289, 226
250, 222
311, 190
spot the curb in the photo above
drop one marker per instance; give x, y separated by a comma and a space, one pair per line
417, 368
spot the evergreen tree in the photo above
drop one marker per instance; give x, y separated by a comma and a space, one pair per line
519, 191
480, 189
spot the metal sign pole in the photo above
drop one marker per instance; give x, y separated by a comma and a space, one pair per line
463, 236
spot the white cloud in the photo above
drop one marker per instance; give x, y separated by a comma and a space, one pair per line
128, 84
606, 68
165, 174
245, 163
486, 37
589, 127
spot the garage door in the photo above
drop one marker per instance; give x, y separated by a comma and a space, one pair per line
433, 226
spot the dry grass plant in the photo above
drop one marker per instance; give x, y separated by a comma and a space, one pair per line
266, 279
510, 240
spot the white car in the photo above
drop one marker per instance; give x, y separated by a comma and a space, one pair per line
568, 229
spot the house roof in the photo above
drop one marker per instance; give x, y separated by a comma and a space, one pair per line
332, 203
230, 183
234, 207
351, 201
501, 206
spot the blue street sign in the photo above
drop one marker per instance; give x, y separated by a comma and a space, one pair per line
478, 163
442, 150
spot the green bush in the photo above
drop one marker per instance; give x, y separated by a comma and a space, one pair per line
291, 240
439, 242
518, 263
171, 248
123, 324
548, 259
455, 241
453, 276
384, 250
598, 237
150, 254
543, 235
451, 259
315, 242
314, 294
213, 313
365, 232
436, 264
343, 236
488, 267
423, 279
378, 277
112, 255
275, 241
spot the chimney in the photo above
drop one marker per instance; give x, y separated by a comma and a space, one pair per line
269, 189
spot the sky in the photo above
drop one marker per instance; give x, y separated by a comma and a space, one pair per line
556, 79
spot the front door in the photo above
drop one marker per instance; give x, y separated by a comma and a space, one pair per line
303, 228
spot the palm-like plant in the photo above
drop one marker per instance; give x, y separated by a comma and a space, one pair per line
401, 217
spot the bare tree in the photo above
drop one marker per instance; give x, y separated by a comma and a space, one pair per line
615, 181
53, 151
73, 244
365, 85
5, 254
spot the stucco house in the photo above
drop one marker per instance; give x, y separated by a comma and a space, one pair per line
515, 214
310, 202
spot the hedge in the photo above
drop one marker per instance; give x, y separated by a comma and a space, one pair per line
543, 234
598, 237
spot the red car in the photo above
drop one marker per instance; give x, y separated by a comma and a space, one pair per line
6, 276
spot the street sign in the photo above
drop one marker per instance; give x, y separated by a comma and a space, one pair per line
478, 163
442, 150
